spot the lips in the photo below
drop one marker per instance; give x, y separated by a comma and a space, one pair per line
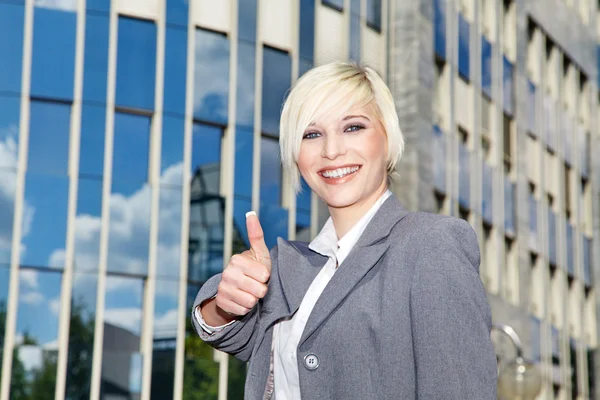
339, 172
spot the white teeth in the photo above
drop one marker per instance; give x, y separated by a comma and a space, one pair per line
338, 173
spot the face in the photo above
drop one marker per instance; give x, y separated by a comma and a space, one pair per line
343, 158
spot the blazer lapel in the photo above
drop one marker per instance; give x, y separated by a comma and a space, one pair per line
369, 249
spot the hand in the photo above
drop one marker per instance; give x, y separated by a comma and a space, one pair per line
244, 280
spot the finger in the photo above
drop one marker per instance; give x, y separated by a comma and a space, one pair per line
257, 240
253, 287
231, 307
246, 266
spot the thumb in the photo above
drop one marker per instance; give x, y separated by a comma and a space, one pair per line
257, 240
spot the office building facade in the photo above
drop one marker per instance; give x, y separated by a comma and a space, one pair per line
135, 135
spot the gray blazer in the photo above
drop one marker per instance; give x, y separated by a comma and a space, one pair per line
404, 317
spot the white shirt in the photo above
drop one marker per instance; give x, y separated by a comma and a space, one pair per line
287, 332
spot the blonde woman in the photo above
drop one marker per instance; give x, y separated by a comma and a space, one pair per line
384, 303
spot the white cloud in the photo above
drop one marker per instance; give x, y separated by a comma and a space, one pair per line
165, 325
32, 298
29, 278
208, 88
30, 356
54, 305
126, 318
66, 5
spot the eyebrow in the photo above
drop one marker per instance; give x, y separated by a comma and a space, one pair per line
347, 117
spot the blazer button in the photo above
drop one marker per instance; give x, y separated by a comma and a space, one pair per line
311, 362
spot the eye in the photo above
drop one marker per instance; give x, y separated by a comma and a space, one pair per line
311, 135
354, 128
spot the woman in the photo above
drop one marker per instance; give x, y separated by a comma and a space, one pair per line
383, 303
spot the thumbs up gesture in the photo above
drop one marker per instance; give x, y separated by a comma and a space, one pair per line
244, 280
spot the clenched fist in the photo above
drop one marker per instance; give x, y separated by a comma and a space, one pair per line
244, 280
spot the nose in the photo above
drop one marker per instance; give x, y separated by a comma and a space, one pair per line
333, 146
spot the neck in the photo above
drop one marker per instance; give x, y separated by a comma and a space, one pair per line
344, 218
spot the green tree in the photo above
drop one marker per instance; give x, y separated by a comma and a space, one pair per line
201, 373
81, 350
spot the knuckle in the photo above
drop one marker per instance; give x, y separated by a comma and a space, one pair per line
235, 259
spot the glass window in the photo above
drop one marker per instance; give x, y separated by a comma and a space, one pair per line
11, 46
439, 19
236, 379
556, 356
570, 245
88, 224
169, 232
49, 127
8, 184
4, 278
573, 369
206, 158
81, 336
355, 37
44, 220
307, 29
270, 171
95, 62
10, 111
246, 87
121, 358
567, 128
177, 12
508, 86
277, 67
274, 220
136, 63
303, 206
549, 121
335, 4
585, 146
533, 225
464, 58
509, 206
171, 160
532, 109
536, 339
374, 14
487, 194
244, 147
247, 20
240, 235
131, 148
591, 352
439, 159
98, 5
175, 70
36, 349
53, 53
211, 77
587, 261
91, 146
464, 175
164, 339
486, 66
552, 237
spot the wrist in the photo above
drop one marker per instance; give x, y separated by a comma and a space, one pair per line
214, 315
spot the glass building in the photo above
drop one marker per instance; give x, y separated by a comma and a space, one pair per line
136, 134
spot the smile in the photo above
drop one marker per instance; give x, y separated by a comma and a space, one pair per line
339, 172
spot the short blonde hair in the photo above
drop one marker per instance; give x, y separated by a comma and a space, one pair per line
335, 87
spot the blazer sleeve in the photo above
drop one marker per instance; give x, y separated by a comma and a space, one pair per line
238, 338
450, 317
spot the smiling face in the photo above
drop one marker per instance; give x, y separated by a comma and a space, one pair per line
343, 158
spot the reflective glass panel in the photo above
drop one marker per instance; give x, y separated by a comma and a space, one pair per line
277, 66
573, 368
53, 53
550, 122
355, 36
270, 171
88, 225
175, 69
536, 339
304, 65
533, 228
121, 358
11, 46
274, 220
307, 28
240, 235
131, 148
36, 347
567, 131
464, 58
246, 88
236, 379
8, 184
44, 221
439, 19
556, 356
49, 127
570, 244
591, 352
532, 108
509, 206
487, 193
486, 66
584, 151
244, 147
129, 231
247, 20
169, 232
164, 339
508, 86
336, 4
98, 5
303, 206
171, 170
374, 14
4, 278
206, 159
95, 62
81, 336
439, 159
177, 12
211, 77
587, 261
303, 199
464, 176
136, 63
552, 237
10, 110
200, 371
91, 145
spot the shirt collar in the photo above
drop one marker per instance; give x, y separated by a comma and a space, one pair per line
326, 242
